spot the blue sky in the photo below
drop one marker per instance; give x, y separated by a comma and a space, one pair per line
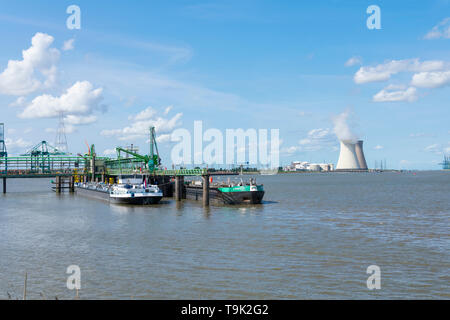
234, 64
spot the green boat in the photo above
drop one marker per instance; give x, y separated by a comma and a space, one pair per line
242, 188
250, 193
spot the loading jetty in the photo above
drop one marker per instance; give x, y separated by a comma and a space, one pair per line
46, 161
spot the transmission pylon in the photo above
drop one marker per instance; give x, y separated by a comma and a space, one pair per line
61, 139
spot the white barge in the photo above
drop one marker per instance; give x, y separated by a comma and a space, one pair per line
126, 191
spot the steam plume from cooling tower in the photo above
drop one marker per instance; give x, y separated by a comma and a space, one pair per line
342, 128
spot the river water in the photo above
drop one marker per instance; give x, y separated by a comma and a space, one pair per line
313, 238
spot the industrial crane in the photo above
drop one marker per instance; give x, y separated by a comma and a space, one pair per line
152, 160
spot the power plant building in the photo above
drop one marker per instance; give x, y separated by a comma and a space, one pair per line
307, 166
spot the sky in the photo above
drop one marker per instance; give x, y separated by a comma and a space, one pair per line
296, 66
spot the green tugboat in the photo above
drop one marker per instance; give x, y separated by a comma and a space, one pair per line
228, 193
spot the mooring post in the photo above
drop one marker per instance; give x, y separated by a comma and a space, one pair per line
168, 186
4, 185
178, 188
72, 184
205, 184
182, 189
58, 184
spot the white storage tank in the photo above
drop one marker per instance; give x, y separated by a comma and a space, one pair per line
314, 167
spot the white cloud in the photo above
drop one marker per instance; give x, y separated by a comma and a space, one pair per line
438, 148
70, 129
80, 99
145, 114
163, 138
290, 150
142, 122
435, 148
20, 78
317, 139
79, 120
378, 147
19, 102
17, 145
396, 96
383, 72
431, 79
353, 61
68, 45
168, 109
442, 30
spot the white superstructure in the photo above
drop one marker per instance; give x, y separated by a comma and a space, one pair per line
124, 191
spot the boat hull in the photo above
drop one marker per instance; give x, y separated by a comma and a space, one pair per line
105, 196
219, 197
137, 200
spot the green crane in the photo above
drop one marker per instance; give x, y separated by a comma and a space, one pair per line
152, 160
155, 160
40, 156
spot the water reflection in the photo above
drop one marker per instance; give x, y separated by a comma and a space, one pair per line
313, 237
122, 209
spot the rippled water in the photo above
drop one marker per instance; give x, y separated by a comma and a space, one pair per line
314, 237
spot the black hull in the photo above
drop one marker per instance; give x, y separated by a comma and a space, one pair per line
218, 197
101, 195
136, 201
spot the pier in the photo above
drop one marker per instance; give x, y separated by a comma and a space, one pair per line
169, 181
92, 169
46, 161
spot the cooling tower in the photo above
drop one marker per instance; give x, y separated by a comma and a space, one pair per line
347, 158
360, 155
